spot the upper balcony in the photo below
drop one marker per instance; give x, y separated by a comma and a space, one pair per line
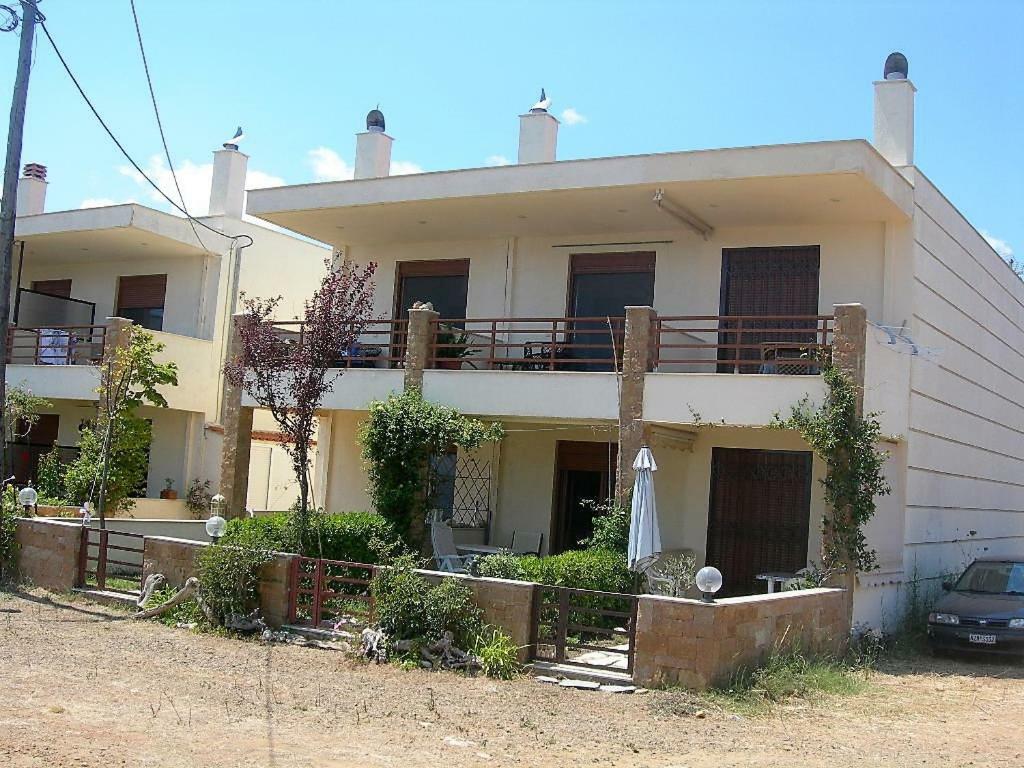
738, 370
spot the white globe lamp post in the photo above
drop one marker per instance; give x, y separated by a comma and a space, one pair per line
709, 581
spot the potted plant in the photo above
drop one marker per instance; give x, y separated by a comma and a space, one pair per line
451, 357
168, 492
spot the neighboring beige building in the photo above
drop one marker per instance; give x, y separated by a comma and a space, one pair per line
77, 269
714, 242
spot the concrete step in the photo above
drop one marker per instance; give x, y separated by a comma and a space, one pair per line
572, 672
109, 597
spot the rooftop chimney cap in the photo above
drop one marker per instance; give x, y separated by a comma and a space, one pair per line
896, 66
35, 171
542, 104
375, 121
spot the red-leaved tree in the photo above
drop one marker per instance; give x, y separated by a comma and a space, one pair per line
289, 372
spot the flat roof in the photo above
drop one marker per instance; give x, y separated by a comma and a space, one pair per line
820, 181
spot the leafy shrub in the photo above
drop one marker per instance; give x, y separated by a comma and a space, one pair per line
449, 607
400, 595
229, 578
9, 511
353, 536
187, 612
502, 567
596, 569
50, 480
611, 527
198, 498
498, 655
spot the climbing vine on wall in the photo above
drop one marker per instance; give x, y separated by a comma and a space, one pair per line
397, 439
848, 444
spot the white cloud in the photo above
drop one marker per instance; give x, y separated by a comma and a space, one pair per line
328, 165
195, 180
497, 160
571, 117
404, 168
999, 246
99, 202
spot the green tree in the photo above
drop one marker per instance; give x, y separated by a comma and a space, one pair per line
114, 449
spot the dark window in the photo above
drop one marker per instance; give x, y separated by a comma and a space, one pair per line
765, 282
29, 445
442, 283
140, 298
60, 288
759, 515
603, 285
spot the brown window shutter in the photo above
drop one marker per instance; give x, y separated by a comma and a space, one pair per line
141, 292
60, 288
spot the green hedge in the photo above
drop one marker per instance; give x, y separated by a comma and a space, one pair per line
595, 569
352, 536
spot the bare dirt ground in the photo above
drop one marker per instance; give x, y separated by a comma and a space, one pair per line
84, 685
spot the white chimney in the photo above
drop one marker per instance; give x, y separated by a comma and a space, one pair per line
373, 148
227, 192
31, 190
894, 112
538, 133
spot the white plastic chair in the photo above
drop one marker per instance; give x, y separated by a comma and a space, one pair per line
447, 556
526, 542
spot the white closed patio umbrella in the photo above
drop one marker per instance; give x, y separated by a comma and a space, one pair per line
644, 533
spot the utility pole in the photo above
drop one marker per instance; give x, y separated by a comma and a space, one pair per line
8, 210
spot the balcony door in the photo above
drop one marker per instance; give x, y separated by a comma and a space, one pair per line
762, 283
759, 515
602, 285
140, 298
443, 283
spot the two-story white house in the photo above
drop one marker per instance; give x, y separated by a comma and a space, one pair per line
744, 257
76, 270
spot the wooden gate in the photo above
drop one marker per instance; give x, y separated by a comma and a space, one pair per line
110, 559
324, 593
584, 628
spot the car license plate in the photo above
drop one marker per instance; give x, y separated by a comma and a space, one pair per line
982, 639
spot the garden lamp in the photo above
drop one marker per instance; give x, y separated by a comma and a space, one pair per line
28, 497
216, 524
709, 581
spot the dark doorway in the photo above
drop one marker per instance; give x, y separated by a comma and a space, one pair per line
602, 285
758, 515
30, 445
765, 282
584, 476
442, 283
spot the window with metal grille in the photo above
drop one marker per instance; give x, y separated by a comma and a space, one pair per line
140, 298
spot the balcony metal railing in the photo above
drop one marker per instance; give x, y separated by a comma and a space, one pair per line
785, 344
56, 345
771, 344
381, 343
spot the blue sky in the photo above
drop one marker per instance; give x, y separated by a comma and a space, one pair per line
451, 77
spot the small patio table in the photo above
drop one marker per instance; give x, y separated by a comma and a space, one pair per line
775, 578
481, 549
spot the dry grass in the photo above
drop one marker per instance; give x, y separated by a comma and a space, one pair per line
86, 686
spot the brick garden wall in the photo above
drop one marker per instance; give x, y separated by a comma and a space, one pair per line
48, 553
698, 645
174, 558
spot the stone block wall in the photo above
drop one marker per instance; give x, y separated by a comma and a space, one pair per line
505, 604
275, 582
174, 558
699, 645
48, 553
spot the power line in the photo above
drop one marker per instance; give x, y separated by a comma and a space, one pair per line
159, 123
120, 146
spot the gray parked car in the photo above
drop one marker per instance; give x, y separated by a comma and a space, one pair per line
983, 611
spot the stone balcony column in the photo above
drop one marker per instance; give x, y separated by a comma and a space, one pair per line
637, 360
237, 440
419, 346
116, 335
849, 345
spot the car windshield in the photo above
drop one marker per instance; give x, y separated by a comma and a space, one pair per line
993, 579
